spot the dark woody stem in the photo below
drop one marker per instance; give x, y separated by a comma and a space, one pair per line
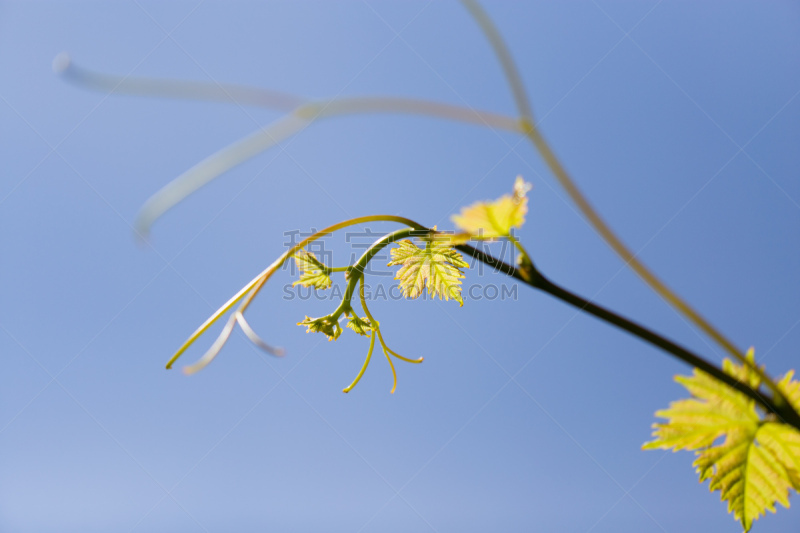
537, 280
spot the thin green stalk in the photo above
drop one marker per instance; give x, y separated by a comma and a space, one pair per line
179, 89
365, 365
503, 55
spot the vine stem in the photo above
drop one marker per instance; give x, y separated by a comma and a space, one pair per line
537, 280
534, 135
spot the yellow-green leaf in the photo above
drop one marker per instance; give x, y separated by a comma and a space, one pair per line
784, 443
787, 443
490, 220
312, 272
325, 324
791, 389
436, 267
757, 461
362, 326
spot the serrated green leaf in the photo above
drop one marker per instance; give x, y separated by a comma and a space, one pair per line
325, 324
787, 440
312, 272
362, 326
791, 389
490, 220
758, 460
784, 443
436, 267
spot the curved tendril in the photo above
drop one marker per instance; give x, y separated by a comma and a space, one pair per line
253, 287
391, 364
376, 329
166, 88
249, 291
258, 282
213, 318
503, 55
209, 168
255, 339
402, 358
215, 348
364, 366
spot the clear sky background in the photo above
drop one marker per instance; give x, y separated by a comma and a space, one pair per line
679, 120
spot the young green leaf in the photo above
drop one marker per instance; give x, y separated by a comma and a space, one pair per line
326, 324
758, 460
490, 220
312, 272
362, 326
791, 389
436, 267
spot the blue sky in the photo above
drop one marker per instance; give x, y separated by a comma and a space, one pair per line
679, 122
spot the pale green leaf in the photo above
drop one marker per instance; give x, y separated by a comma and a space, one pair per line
312, 272
787, 443
362, 326
791, 389
757, 461
490, 220
784, 443
325, 324
436, 267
